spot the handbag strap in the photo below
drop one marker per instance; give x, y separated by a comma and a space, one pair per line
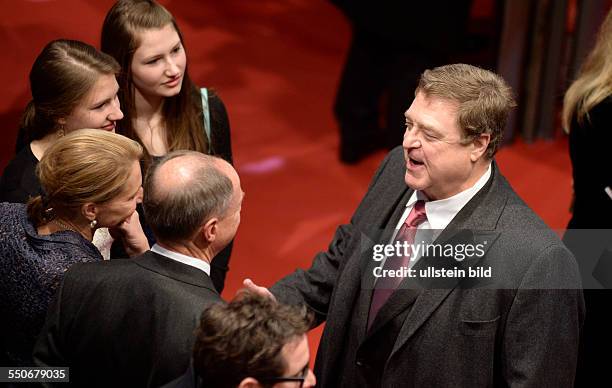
206, 112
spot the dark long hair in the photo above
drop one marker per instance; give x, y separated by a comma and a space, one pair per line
182, 114
62, 74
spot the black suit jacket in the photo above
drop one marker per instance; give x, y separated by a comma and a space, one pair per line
186, 380
519, 328
125, 322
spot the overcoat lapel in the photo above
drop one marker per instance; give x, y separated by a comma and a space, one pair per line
478, 218
352, 293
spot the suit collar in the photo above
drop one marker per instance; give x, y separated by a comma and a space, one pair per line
188, 260
386, 210
382, 234
175, 270
483, 211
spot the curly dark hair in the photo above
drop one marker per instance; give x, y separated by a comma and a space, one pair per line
244, 338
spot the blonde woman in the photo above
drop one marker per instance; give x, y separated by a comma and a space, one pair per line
587, 115
90, 179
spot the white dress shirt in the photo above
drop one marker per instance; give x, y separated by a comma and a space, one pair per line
188, 260
439, 213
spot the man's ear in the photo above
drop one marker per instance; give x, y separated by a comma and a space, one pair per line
211, 229
90, 211
479, 146
249, 382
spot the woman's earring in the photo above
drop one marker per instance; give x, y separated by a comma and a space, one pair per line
93, 224
60, 131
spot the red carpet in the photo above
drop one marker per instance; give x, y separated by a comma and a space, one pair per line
276, 65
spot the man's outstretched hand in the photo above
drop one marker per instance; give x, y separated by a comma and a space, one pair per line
253, 288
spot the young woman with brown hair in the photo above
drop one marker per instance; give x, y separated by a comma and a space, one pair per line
73, 86
164, 110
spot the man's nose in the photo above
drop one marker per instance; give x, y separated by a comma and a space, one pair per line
410, 139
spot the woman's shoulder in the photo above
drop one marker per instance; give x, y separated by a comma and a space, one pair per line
11, 215
24, 159
19, 179
602, 112
220, 129
216, 115
14, 224
598, 118
68, 248
211, 96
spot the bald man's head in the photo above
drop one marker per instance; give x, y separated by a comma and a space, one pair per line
185, 189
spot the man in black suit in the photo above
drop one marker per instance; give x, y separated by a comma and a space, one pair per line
511, 318
131, 322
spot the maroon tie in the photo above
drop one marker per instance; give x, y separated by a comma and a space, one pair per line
385, 286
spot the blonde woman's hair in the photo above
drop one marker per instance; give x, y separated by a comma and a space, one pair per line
594, 82
88, 165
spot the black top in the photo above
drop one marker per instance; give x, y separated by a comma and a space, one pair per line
19, 181
186, 380
589, 146
221, 146
221, 142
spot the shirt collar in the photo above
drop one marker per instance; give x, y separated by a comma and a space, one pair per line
441, 212
188, 260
